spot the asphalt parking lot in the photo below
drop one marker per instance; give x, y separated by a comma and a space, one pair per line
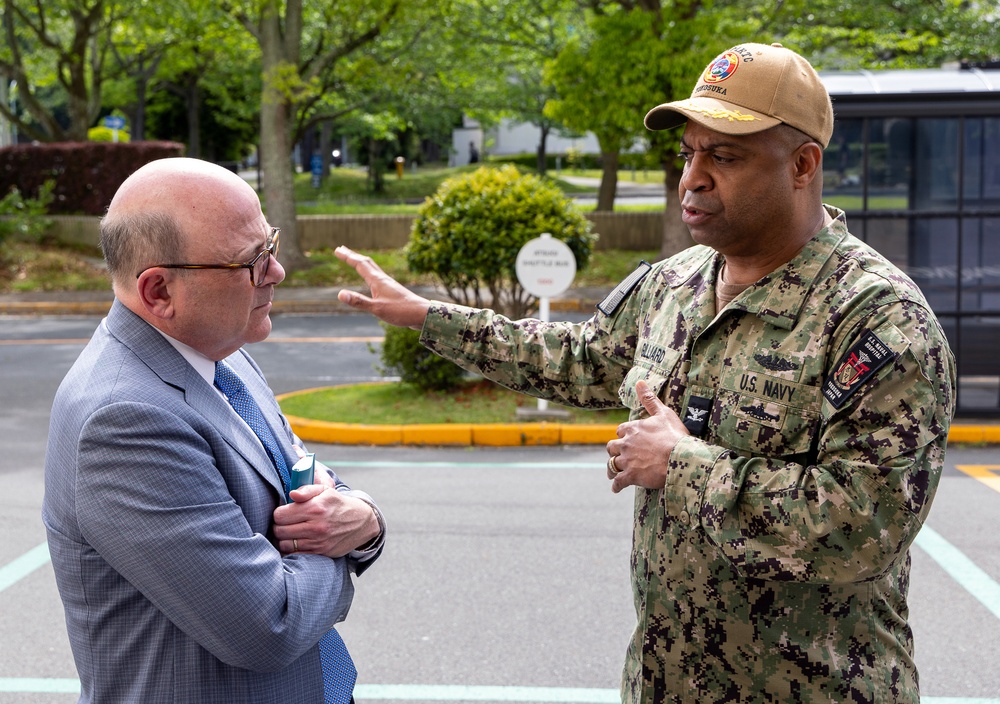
505, 578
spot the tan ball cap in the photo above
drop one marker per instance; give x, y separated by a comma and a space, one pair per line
751, 88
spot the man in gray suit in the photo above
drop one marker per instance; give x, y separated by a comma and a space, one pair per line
188, 568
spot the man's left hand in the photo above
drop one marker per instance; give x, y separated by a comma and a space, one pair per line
639, 456
324, 521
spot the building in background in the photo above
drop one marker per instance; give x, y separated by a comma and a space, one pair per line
915, 163
509, 138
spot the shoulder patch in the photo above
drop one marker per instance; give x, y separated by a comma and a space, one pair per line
614, 299
867, 356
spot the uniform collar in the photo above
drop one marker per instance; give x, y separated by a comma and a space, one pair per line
779, 297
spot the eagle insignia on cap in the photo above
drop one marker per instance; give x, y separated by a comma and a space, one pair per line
723, 67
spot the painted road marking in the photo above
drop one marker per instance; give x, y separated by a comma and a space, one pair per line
296, 340
963, 570
960, 568
988, 474
428, 692
49, 341
22, 566
466, 465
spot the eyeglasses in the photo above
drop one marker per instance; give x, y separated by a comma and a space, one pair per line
257, 266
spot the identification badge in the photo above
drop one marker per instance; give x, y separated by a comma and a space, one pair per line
614, 299
860, 363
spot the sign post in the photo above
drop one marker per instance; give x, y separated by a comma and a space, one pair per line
545, 267
114, 123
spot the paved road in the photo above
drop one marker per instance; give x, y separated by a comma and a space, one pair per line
506, 574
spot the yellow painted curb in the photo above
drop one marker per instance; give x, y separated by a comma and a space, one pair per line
510, 434
488, 434
514, 434
485, 434
974, 434
588, 434
505, 434
436, 434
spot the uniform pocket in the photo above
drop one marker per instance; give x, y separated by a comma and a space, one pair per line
660, 370
767, 415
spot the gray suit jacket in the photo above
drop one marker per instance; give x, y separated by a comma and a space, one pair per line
158, 507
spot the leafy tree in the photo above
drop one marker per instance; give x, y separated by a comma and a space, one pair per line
398, 93
509, 42
137, 48
878, 35
469, 234
671, 44
57, 52
587, 101
301, 45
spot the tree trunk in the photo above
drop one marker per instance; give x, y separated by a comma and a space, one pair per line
325, 129
276, 131
540, 161
675, 233
138, 133
609, 181
376, 167
275, 156
192, 96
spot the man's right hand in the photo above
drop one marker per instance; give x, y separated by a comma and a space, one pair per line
390, 301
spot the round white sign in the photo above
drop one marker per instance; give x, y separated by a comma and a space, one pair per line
545, 266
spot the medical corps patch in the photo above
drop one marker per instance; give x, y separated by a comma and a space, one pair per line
860, 363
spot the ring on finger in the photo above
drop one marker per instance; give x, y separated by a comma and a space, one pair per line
613, 466
295, 545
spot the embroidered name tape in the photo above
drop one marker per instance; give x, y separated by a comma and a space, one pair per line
614, 299
866, 357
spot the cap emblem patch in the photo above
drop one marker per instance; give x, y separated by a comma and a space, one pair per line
723, 67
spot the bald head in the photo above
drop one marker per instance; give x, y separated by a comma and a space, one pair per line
167, 209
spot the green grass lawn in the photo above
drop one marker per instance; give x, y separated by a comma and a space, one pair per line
392, 403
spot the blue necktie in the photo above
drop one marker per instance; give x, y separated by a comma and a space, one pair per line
339, 674
242, 402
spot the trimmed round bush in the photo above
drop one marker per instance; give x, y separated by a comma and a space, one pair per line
402, 354
469, 232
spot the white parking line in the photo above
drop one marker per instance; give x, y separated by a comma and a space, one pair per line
22, 566
960, 568
427, 692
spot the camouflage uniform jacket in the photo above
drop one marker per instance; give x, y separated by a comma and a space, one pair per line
773, 566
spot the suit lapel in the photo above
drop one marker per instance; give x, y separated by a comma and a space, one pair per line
167, 363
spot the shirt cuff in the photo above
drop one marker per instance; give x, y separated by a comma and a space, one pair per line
370, 549
689, 468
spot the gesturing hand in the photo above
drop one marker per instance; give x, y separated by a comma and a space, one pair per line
390, 301
639, 456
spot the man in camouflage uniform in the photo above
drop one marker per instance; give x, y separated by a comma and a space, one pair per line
791, 393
